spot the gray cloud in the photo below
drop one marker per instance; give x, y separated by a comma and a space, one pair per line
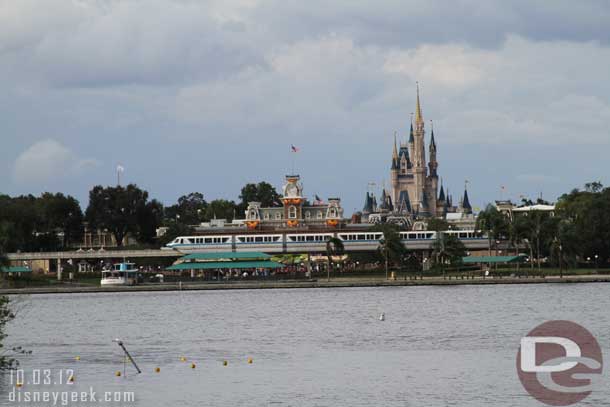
209, 90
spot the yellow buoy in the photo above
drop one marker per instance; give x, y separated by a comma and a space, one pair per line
250, 361
182, 359
77, 358
18, 384
71, 379
193, 366
225, 363
118, 373
157, 369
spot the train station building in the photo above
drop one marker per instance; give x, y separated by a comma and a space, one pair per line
295, 211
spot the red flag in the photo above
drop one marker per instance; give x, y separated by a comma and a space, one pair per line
294, 149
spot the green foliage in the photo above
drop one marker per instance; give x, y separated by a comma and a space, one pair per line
437, 224
123, 210
221, 209
448, 249
492, 222
62, 213
589, 213
390, 247
334, 247
262, 192
190, 210
48, 222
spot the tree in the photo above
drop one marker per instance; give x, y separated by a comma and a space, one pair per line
150, 217
493, 223
390, 246
438, 224
589, 212
221, 209
22, 219
190, 210
262, 192
122, 210
61, 215
448, 249
334, 247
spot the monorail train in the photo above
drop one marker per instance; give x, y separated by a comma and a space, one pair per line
308, 241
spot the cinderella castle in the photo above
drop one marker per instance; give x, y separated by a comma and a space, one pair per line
415, 183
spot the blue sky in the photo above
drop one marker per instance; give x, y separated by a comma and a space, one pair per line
209, 95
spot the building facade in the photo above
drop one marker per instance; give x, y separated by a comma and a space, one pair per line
296, 211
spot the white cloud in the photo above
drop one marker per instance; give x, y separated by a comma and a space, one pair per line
442, 65
48, 160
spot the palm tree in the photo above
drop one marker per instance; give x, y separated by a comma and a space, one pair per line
492, 222
391, 247
334, 247
448, 249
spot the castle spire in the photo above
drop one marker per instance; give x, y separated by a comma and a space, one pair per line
441, 194
411, 138
395, 151
465, 201
432, 142
418, 116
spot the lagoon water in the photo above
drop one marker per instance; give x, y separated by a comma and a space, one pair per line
438, 346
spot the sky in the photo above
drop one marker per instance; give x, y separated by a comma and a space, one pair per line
210, 95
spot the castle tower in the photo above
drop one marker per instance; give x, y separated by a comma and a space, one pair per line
466, 207
411, 139
433, 164
293, 200
414, 178
419, 161
394, 171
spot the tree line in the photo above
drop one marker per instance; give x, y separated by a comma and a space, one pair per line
52, 222
577, 231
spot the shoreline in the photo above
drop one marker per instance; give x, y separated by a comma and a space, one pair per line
293, 284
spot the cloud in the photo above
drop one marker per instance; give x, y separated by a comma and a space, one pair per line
227, 82
113, 43
48, 160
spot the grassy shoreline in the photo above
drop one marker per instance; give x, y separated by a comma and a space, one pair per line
338, 282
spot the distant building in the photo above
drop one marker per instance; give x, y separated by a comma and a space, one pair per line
295, 211
511, 210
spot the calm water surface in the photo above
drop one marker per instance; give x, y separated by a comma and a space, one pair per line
439, 346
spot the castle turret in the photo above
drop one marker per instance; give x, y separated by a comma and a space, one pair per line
395, 163
411, 139
466, 208
433, 164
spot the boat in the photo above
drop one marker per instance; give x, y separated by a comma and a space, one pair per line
120, 274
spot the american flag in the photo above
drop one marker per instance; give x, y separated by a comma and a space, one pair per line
318, 200
294, 149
